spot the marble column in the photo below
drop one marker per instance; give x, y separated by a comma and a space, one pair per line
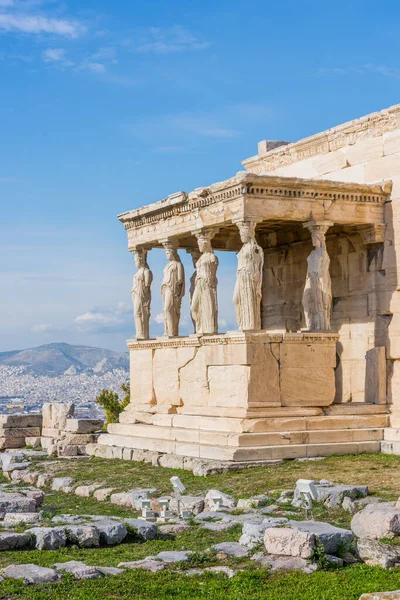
248, 288
172, 288
204, 304
141, 294
317, 295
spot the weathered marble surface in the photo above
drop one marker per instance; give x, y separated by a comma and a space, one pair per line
141, 295
204, 304
248, 289
317, 296
172, 290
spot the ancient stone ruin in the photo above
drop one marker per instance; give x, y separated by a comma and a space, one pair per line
313, 367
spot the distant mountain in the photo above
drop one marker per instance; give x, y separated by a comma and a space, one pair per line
57, 359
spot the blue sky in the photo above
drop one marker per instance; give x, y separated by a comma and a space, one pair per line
106, 106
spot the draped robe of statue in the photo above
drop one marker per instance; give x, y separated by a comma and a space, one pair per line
141, 297
248, 292
172, 290
317, 296
204, 307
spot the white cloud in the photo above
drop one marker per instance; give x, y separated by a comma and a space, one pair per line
55, 55
174, 39
159, 319
42, 328
36, 24
105, 318
94, 67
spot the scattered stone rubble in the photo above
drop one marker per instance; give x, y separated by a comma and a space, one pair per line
269, 536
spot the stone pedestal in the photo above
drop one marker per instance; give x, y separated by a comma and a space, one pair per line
240, 396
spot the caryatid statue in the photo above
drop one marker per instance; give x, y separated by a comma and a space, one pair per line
141, 294
195, 254
317, 296
172, 289
248, 288
204, 304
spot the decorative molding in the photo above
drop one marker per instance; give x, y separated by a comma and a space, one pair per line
262, 187
236, 337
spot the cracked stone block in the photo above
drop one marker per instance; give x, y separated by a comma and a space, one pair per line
48, 538
377, 521
146, 564
78, 569
31, 574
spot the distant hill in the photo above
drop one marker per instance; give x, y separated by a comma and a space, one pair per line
55, 359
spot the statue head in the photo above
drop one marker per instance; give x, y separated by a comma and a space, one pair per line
204, 243
246, 231
139, 256
171, 250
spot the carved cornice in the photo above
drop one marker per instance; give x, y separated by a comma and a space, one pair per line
224, 339
248, 185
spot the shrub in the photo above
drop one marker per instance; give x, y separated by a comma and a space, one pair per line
111, 403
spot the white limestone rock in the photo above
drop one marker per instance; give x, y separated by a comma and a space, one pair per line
15, 502
111, 532
85, 536
12, 541
13, 519
147, 564
374, 553
144, 529
377, 521
84, 425
330, 537
62, 484
31, 574
48, 538
56, 415
253, 502
381, 596
171, 556
285, 563
289, 541
193, 503
253, 533
333, 494
110, 570
212, 503
231, 549
85, 491
78, 569
133, 498
103, 494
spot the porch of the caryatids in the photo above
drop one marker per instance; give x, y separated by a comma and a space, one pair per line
172, 288
248, 288
317, 295
204, 303
141, 294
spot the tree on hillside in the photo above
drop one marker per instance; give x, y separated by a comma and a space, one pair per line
111, 403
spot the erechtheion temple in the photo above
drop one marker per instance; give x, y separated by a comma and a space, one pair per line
314, 366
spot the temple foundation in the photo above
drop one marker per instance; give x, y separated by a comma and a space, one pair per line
242, 397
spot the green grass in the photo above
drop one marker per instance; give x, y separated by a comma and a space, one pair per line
252, 582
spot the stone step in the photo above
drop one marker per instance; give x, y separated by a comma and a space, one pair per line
250, 453
167, 436
219, 411
354, 408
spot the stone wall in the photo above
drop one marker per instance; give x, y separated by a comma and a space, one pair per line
365, 277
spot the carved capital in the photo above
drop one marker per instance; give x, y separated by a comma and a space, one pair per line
318, 230
205, 233
248, 224
373, 234
170, 243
